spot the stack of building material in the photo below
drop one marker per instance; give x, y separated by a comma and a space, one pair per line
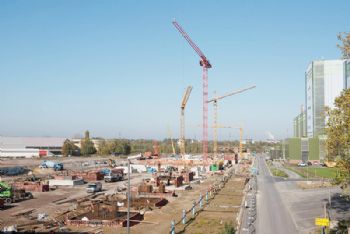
178, 181
11, 171
157, 180
188, 176
161, 188
32, 186
89, 176
65, 177
147, 154
145, 188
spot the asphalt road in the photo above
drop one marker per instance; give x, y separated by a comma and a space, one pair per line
272, 215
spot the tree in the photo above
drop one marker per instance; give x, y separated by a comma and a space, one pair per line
103, 148
114, 147
345, 44
126, 148
87, 146
87, 134
69, 148
338, 137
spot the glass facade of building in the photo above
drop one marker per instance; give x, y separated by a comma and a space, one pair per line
318, 98
299, 124
324, 81
309, 100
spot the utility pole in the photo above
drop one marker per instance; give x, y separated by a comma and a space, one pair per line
128, 214
325, 216
129, 194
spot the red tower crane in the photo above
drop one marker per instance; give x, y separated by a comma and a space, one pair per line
204, 62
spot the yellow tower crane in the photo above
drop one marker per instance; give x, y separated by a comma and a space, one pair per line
182, 119
232, 127
215, 104
240, 135
241, 142
171, 139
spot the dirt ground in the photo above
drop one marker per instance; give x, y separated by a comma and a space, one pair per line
160, 219
224, 208
54, 202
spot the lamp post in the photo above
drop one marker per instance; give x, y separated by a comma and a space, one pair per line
129, 171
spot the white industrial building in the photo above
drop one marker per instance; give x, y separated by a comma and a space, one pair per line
19, 153
29, 147
324, 81
347, 74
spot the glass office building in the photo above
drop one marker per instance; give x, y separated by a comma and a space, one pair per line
300, 125
324, 81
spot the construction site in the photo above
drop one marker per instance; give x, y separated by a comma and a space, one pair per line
48, 198
151, 192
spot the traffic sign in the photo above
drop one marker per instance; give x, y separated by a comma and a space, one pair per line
322, 222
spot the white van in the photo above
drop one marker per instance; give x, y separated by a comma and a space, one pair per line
94, 187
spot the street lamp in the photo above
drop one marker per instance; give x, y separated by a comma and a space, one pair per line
128, 214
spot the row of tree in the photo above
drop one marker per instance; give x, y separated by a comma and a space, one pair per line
126, 147
338, 125
115, 147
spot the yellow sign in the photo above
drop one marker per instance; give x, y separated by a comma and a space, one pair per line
322, 222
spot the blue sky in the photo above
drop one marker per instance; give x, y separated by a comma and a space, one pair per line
119, 68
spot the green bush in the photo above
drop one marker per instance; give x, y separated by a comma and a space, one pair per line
228, 229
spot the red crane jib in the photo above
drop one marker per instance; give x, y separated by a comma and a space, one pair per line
204, 61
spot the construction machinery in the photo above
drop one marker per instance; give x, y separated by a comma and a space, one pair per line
215, 104
182, 119
51, 164
205, 64
114, 175
6, 192
112, 163
10, 194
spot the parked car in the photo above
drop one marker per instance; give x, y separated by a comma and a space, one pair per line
309, 163
94, 187
302, 164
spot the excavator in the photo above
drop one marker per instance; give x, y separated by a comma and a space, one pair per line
10, 194
5, 192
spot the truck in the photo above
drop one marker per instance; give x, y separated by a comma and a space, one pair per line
10, 194
114, 175
94, 187
51, 164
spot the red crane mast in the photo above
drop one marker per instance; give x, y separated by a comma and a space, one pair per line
204, 62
